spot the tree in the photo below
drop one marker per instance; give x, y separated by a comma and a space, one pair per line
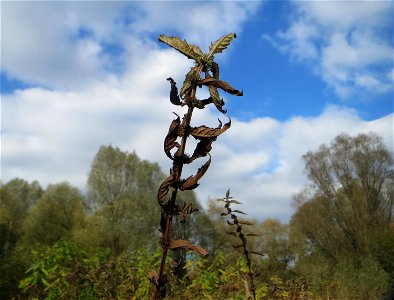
17, 196
122, 188
55, 215
346, 213
277, 247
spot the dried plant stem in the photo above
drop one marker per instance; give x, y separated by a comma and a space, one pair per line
204, 65
167, 235
239, 232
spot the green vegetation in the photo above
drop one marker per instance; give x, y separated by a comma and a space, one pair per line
58, 243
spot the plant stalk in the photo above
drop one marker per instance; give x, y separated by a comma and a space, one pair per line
167, 234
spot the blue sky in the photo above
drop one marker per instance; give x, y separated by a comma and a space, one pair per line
77, 75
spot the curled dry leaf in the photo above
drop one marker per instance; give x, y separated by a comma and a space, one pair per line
191, 77
201, 103
217, 83
217, 101
163, 189
174, 97
185, 244
186, 210
191, 182
203, 132
163, 223
170, 140
203, 147
214, 70
153, 277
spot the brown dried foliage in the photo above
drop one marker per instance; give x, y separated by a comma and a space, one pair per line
175, 149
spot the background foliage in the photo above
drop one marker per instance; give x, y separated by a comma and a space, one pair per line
60, 243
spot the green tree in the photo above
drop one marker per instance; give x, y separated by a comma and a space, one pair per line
55, 215
346, 213
277, 247
122, 188
16, 197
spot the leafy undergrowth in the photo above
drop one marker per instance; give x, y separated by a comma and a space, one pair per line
63, 271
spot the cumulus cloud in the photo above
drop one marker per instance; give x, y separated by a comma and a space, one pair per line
69, 45
52, 134
42, 41
348, 44
267, 170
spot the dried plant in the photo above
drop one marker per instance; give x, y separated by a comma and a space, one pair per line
240, 233
206, 67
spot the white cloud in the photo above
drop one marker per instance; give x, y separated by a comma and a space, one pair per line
67, 45
53, 135
342, 41
267, 170
41, 42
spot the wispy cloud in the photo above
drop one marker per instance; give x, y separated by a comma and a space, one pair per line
349, 44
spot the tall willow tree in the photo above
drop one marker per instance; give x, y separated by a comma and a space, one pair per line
346, 216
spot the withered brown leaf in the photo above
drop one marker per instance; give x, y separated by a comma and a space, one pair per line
215, 70
163, 189
174, 97
191, 77
217, 101
203, 147
186, 210
192, 181
203, 131
185, 244
170, 140
217, 83
153, 277
163, 223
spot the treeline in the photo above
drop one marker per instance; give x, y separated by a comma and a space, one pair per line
60, 243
